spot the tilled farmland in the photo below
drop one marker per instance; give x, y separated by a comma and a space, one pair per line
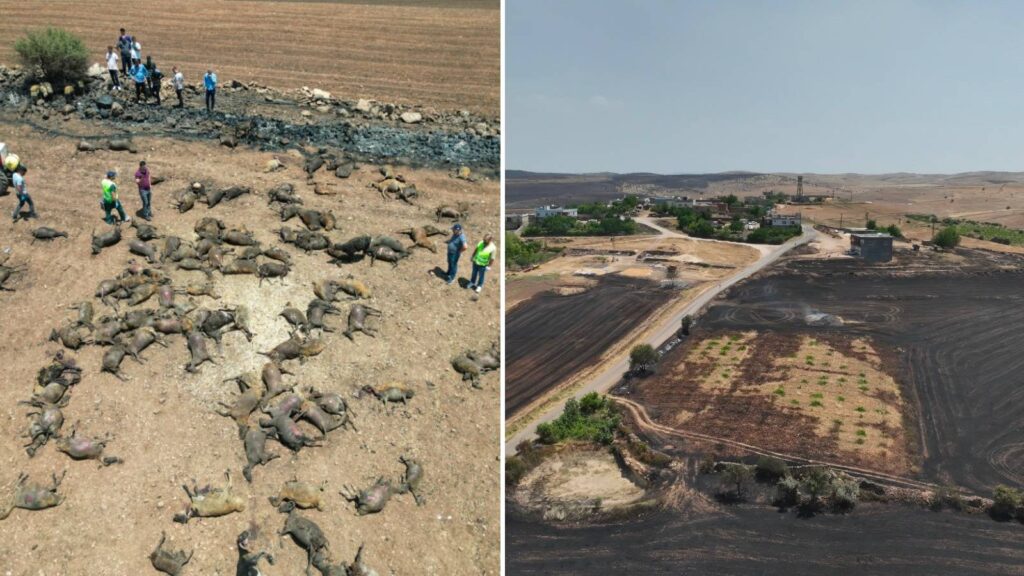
444, 55
552, 336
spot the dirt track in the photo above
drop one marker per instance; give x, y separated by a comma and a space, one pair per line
162, 420
444, 55
551, 336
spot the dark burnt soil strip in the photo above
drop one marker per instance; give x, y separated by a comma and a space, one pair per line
876, 539
551, 337
956, 331
448, 142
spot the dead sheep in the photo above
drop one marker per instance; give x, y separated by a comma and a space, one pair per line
307, 534
33, 496
211, 502
357, 316
86, 448
168, 561
105, 240
44, 233
296, 494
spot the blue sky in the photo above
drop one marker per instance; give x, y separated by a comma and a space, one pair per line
818, 86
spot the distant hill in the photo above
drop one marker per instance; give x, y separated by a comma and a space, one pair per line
525, 189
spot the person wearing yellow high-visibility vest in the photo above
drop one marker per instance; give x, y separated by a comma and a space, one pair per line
110, 200
482, 258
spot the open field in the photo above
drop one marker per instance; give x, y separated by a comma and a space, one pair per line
876, 539
946, 328
445, 54
162, 420
823, 397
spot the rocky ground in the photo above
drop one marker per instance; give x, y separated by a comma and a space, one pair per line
264, 118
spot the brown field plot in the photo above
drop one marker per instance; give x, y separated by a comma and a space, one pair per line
445, 54
821, 397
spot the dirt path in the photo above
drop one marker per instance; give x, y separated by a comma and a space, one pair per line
643, 419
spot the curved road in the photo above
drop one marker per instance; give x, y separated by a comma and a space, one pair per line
611, 376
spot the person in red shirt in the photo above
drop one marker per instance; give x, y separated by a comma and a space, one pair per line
144, 180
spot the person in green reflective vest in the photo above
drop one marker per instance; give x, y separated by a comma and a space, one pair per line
482, 258
110, 200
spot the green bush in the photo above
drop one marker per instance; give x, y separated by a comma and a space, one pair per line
1005, 501
770, 468
515, 469
948, 237
787, 491
520, 254
872, 225
773, 234
592, 418
54, 55
894, 231
643, 358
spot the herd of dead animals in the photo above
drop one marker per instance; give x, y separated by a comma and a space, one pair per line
129, 334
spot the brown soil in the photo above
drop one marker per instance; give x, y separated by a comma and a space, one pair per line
445, 54
789, 393
162, 419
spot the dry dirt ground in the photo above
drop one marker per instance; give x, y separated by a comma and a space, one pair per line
581, 478
162, 420
445, 54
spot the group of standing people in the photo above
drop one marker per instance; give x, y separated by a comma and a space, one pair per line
482, 258
126, 61
111, 200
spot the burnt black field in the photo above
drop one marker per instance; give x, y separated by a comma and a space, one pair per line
551, 337
958, 334
875, 539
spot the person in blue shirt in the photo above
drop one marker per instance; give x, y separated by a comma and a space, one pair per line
210, 83
456, 246
140, 75
21, 191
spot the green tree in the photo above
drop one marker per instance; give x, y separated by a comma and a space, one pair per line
894, 231
730, 201
643, 358
948, 237
737, 476
872, 225
702, 229
54, 55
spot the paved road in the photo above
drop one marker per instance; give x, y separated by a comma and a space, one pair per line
611, 376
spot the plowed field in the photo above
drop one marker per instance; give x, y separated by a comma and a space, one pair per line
445, 54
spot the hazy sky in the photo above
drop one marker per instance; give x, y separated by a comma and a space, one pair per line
817, 86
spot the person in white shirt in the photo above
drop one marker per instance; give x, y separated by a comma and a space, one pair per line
112, 67
178, 81
136, 51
